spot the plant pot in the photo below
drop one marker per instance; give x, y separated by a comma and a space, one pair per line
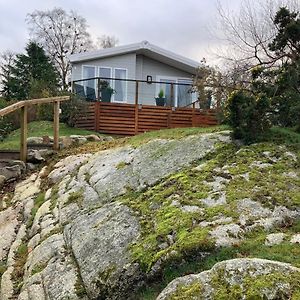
106, 95
160, 101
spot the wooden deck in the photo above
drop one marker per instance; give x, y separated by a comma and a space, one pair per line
131, 119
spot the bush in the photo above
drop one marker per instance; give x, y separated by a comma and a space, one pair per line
73, 109
248, 116
9, 122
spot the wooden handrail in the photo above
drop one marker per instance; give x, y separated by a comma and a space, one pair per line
20, 104
23, 106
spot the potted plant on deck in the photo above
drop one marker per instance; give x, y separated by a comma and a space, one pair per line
161, 100
106, 91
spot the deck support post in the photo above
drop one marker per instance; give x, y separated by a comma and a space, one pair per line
97, 116
193, 115
56, 126
136, 113
23, 136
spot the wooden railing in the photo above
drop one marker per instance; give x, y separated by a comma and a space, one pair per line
23, 106
131, 119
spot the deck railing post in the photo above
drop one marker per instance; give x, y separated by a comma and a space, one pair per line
23, 141
136, 115
98, 89
193, 115
56, 126
172, 95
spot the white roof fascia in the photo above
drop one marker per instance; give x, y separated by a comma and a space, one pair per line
142, 47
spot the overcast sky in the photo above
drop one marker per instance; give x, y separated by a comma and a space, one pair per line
182, 26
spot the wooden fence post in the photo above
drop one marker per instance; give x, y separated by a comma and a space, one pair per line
23, 141
193, 115
136, 114
56, 126
97, 115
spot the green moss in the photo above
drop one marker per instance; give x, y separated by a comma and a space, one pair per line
79, 287
54, 197
57, 230
38, 268
2, 268
121, 165
38, 201
188, 292
76, 197
18, 271
87, 176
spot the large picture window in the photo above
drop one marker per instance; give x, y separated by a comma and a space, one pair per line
90, 84
182, 95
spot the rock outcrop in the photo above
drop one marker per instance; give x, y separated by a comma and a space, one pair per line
238, 279
106, 223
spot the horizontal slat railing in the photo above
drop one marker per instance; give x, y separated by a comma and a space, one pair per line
130, 119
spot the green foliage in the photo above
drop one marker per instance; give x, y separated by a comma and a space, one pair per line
75, 197
39, 200
248, 115
161, 93
72, 110
7, 123
38, 268
2, 268
32, 75
188, 292
273, 92
18, 271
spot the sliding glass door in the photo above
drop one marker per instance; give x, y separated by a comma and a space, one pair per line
120, 86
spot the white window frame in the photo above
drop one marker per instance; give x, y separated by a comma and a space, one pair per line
126, 85
111, 73
91, 66
176, 79
104, 67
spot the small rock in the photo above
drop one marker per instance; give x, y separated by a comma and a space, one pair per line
260, 165
2, 180
192, 209
35, 140
227, 235
93, 138
291, 155
295, 239
274, 239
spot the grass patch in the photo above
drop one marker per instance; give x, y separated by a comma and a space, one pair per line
18, 272
39, 129
280, 135
75, 197
2, 268
38, 268
38, 201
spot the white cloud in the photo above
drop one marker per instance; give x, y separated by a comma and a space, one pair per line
180, 26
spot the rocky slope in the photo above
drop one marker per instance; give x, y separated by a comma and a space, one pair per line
101, 226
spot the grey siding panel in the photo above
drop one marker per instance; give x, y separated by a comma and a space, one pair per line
147, 66
138, 67
127, 61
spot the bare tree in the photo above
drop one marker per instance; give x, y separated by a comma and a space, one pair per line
61, 34
249, 32
107, 41
7, 59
